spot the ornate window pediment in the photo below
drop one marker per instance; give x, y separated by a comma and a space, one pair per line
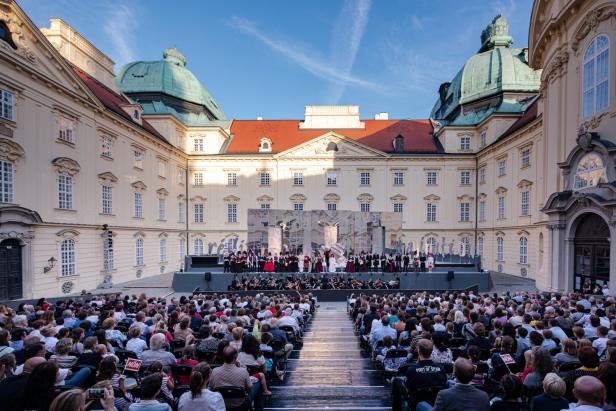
524, 183
231, 199
65, 165
500, 190
198, 199
10, 150
398, 197
465, 197
139, 185
265, 145
264, 199
67, 233
365, 198
297, 198
432, 197
139, 234
331, 197
107, 177
162, 192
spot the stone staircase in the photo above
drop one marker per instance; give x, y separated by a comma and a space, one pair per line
330, 372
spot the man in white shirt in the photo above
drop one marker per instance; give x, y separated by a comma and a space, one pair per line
287, 319
590, 393
600, 344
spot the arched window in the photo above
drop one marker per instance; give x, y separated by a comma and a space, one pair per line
5, 34
500, 249
67, 257
523, 250
198, 246
431, 244
331, 146
229, 245
596, 77
139, 252
589, 172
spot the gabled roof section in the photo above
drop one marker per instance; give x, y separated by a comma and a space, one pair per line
114, 102
530, 114
377, 134
322, 146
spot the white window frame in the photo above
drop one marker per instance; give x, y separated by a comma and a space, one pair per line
398, 178
198, 246
139, 252
298, 206
465, 143
107, 146
332, 206
431, 177
198, 212
525, 203
107, 199
364, 178
480, 246
7, 181
500, 204
483, 138
266, 206
231, 212
482, 175
181, 212
162, 169
465, 246
502, 167
162, 250
525, 157
66, 130
181, 176
500, 248
65, 191
198, 145
465, 177
431, 216
138, 158
162, 209
198, 178
298, 178
590, 76
523, 250
232, 179
108, 257
67, 257
182, 247
332, 178
465, 212
398, 208
482, 210
364, 207
7, 105
138, 204
265, 178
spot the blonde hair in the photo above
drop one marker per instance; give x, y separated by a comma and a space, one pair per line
553, 385
69, 400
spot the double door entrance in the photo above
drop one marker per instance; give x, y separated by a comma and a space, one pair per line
592, 253
10, 270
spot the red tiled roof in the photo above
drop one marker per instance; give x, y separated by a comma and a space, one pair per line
286, 134
114, 101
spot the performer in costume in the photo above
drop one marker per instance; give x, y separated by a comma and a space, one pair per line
269, 264
226, 264
406, 261
349, 265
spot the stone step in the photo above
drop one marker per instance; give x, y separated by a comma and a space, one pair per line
353, 397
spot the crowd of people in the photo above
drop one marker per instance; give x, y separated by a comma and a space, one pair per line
138, 353
311, 282
511, 352
319, 262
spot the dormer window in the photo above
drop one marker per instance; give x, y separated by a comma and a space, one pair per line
399, 144
5, 34
136, 115
265, 145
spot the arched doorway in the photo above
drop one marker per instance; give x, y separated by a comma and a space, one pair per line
592, 252
10, 270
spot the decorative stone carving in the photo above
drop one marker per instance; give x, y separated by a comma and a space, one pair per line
107, 177
585, 138
557, 67
65, 165
398, 198
556, 226
162, 192
17, 35
264, 199
592, 123
231, 199
23, 236
331, 197
10, 150
6, 131
139, 185
365, 198
591, 22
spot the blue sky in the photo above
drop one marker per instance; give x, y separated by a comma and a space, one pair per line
271, 58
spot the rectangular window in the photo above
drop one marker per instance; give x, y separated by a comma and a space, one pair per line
331, 206
181, 212
398, 178
465, 212
525, 157
139, 252
162, 169
198, 213
162, 252
364, 178
6, 104
482, 175
525, 203
465, 178
482, 210
6, 182
265, 178
431, 212
182, 248
181, 176
480, 246
265, 206
65, 131
67, 257
483, 139
232, 213
364, 207
198, 178
432, 178
107, 147
502, 167
198, 145
501, 207
465, 143
162, 212
138, 205
523, 250
138, 158
108, 259
398, 208
232, 179
65, 192
298, 178
500, 249
332, 178
298, 206
107, 199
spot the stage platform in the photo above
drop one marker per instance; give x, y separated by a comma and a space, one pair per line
187, 282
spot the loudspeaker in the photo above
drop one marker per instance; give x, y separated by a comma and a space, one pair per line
208, 276
450, 275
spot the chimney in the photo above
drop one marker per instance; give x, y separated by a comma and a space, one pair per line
381, 116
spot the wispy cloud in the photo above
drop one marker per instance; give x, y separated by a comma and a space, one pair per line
346, 39
119, 25
416, 22
345, 45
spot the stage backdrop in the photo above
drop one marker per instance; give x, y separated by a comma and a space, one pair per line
303, 232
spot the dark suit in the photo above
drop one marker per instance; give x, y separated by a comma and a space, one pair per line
462, 397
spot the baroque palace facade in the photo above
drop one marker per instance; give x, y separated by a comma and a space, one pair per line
108, 177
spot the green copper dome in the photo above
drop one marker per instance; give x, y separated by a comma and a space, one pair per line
497, 68
169, 77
